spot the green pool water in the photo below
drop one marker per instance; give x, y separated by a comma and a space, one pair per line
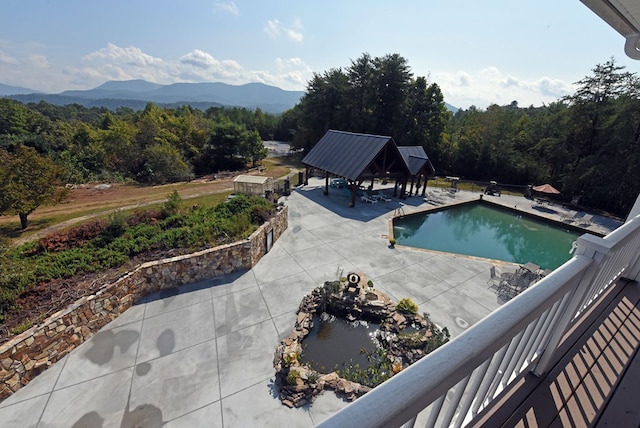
484, 231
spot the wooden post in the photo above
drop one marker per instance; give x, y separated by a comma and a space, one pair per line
326, 183
411, 188
353, 194
306, 177
424, 187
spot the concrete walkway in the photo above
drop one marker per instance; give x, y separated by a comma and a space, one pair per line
201, 355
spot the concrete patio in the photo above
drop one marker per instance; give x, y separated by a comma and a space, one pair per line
202, 354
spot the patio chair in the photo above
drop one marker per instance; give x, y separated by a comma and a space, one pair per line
494, 280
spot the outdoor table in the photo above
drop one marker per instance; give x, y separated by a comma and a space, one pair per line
529, 266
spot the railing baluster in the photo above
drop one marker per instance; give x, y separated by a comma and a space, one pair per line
410, 423
500, 374
527, 354
576, 296
471, 393
514, 369
549, 316
457, 396
435, 411
482, 397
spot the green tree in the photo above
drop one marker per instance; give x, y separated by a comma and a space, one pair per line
27, 181
162, 163
252, 148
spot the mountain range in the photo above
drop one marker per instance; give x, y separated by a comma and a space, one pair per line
137, 93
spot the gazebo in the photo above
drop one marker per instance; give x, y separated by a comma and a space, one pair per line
357, 158
419, 166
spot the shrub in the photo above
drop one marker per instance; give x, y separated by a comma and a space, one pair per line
74, 237
171, 205
116, 226
21, 328
292, 377
407, 306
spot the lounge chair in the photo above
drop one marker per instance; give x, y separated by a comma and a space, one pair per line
585, 220
432, 199
367, 199
384, 197
570, 216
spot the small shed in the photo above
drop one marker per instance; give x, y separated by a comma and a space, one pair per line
252, 184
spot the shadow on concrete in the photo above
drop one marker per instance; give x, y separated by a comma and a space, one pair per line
338, 201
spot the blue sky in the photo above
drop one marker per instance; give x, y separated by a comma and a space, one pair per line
478, 52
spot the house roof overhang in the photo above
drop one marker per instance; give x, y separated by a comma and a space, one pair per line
624, 17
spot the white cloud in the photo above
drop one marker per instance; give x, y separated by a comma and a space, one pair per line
39, 61
199, 59
293, 70
4, 58
295, 35
130, 56
229, 7
491, 86
274, 29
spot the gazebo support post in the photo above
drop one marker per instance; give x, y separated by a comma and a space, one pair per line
395, 189
353, 194
306, 176
411, 188
424, 187
326, 183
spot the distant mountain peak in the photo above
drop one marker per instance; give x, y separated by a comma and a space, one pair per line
135, 85
15, 90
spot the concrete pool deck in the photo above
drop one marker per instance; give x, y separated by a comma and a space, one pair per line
202, 354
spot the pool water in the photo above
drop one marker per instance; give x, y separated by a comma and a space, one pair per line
484, 231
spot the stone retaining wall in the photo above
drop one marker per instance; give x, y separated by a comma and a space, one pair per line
28, 354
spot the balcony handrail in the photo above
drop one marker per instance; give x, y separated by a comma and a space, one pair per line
485, 359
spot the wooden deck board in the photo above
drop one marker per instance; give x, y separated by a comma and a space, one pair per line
594, 384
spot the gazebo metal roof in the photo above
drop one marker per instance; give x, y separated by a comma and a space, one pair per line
416, 159
349, 155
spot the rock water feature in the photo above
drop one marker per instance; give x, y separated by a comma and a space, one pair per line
402, 338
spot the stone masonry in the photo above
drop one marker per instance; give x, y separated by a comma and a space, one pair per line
28, 354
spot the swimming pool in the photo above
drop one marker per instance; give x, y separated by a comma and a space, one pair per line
482, 230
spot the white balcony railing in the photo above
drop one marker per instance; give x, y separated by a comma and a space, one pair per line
453, 384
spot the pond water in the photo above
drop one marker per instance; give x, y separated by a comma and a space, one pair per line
334, 342
485, 231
